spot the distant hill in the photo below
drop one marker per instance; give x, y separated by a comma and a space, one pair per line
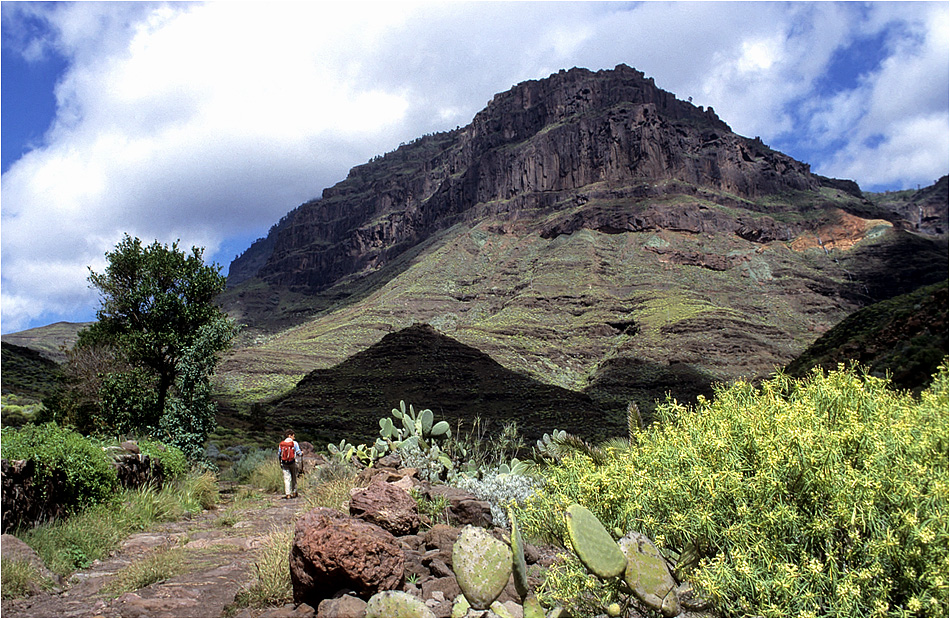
48, 340
429, 370
26, 378
905, 337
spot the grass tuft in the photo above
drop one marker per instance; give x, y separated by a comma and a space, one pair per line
20, 579
329, 486
156, 566
271, 584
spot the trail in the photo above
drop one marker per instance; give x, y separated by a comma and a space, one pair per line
219, 549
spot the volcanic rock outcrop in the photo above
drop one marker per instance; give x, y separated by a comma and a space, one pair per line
533, 147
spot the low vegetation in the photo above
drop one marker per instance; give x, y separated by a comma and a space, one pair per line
270, 585
20, 579
155, 567
824, 496
75, 542
80, 467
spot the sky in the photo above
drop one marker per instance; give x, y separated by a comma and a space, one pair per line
207, 122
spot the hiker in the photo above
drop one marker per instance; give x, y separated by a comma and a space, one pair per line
288, 451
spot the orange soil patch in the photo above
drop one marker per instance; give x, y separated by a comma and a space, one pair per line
842, 234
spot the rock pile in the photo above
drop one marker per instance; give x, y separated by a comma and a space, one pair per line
378, 560
340, 561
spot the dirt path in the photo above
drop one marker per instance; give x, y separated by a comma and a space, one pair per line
218, 547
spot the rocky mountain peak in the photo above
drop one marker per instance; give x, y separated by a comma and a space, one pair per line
540, 147
530, 106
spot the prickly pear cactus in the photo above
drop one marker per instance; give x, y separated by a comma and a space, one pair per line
592, 543
396, 604
442, 430
532, 608
648, 575
519, 566
460, 607
482, 566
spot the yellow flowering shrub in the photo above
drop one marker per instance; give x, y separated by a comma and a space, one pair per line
825, 496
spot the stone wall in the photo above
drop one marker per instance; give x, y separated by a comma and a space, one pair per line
27, 503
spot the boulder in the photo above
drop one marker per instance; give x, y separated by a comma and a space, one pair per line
332, 551
137, 470
387, 506
344, 606
439, 593
440, 538
130, 447
464, 507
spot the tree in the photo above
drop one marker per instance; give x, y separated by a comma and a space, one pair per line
158, 315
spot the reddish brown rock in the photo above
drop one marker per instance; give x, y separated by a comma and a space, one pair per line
464, 507
440, 539
387, 506
332, 551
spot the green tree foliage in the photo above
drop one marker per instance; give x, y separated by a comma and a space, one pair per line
824, 496
160, 328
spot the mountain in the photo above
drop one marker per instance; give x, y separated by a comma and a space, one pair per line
904, 337
590, 231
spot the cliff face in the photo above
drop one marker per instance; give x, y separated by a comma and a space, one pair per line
543, 144
589, 231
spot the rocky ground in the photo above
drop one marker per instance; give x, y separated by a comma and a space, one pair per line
219, 556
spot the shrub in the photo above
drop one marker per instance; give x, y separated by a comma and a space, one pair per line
500, 490
242, 470
172, 459
61, 454
821, 496
568, 584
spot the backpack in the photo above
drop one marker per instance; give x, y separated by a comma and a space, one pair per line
287, 451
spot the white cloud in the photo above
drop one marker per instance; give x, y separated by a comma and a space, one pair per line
210, 121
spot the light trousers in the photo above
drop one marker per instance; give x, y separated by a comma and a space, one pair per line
290, 477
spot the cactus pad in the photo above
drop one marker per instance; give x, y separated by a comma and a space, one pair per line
533, 608
482, 566
426, 418
460, 607
396, 604
442, 429
648, 575
519, 566
594, 547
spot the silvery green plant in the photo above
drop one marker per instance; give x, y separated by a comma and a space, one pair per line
500, 490
434, 465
